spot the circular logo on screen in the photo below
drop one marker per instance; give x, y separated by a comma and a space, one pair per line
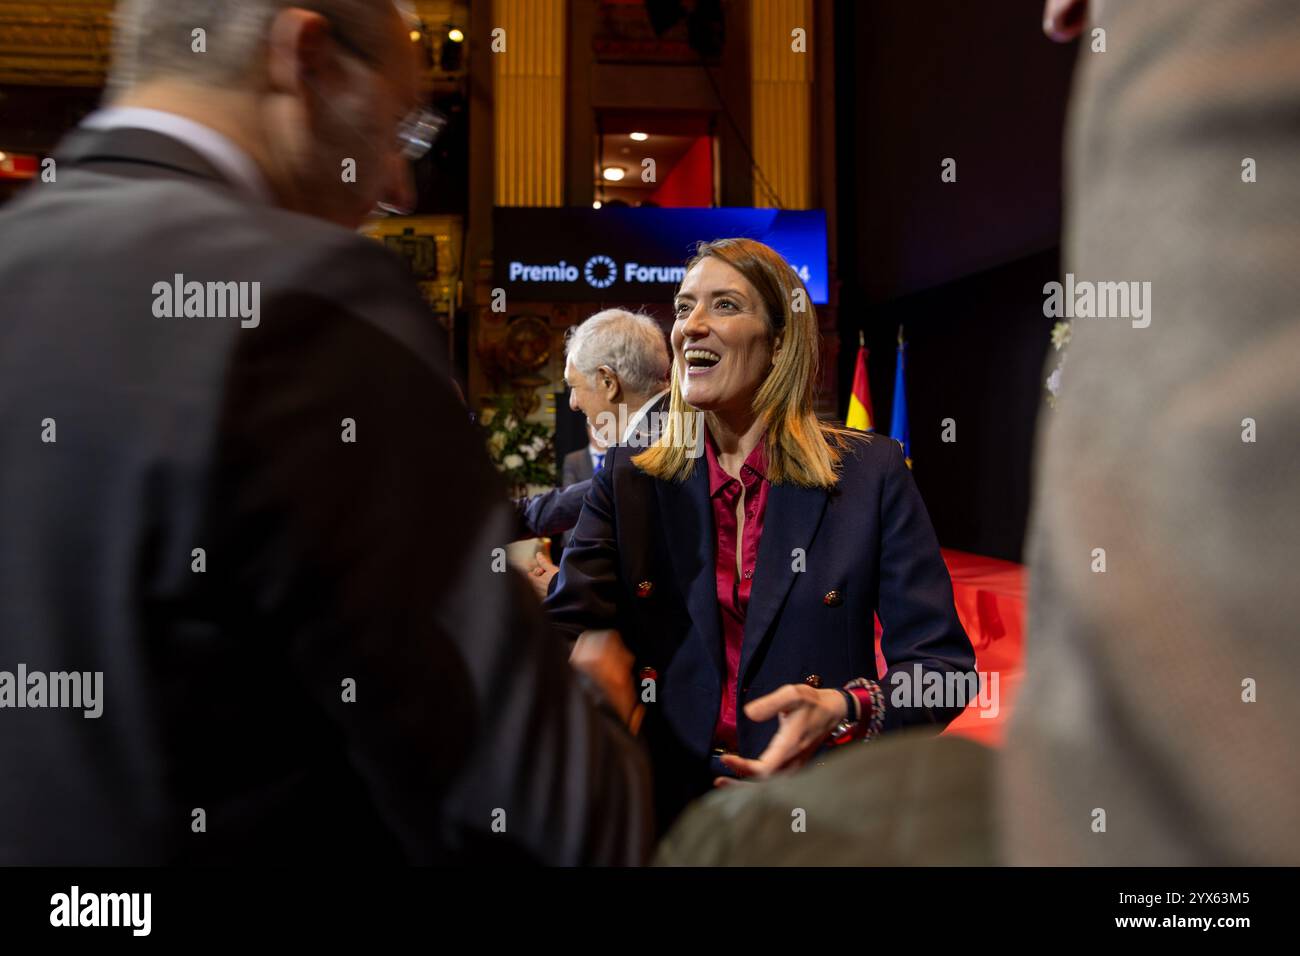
600, 272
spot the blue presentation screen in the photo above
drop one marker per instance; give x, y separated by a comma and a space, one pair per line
633, 255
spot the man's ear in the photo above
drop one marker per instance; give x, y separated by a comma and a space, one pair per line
608, 383
299, 58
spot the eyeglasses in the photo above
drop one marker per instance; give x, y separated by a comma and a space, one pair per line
418, 129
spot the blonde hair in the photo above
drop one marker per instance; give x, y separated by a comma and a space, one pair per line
801, 449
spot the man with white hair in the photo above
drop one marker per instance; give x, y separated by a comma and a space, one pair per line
225, 422
616, 366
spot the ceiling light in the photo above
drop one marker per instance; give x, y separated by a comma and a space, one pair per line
639, 137
456, 35
597, 204
614, 173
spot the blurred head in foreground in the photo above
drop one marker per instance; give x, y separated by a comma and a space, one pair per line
318, 92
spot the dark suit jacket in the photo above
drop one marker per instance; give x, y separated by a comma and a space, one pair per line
556, 511
549, 513
224, 688
577, 468
642, 561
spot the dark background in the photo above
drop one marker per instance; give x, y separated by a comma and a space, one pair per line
960, 265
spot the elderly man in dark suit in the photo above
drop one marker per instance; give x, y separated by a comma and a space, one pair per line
616, 367
225, 422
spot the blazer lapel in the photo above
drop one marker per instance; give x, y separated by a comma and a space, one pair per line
692, 546
791, 521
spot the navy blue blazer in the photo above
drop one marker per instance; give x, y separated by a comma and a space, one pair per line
642, 561
551, 512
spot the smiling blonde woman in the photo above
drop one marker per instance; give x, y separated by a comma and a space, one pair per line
745, 580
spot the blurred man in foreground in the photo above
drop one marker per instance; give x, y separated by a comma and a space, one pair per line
221, 493
1157, 721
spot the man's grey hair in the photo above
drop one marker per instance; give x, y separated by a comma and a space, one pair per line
155, 38
630, 343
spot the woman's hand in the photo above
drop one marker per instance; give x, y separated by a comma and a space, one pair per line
807, 717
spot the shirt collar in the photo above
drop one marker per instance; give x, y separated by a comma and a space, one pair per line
218, 149
755, 464
640, 413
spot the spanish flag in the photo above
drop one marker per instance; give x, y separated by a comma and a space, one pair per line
861, 416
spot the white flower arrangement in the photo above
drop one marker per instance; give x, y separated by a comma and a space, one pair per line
521, 449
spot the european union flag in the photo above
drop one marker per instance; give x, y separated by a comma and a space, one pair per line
898, 422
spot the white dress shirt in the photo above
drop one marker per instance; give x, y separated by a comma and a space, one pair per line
641, 412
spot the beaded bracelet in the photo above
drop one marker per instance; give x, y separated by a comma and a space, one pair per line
877, 719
